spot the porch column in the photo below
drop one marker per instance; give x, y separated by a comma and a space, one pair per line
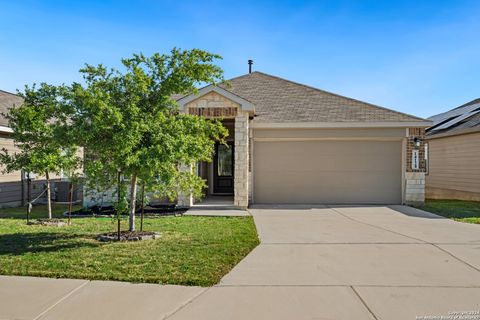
241, 160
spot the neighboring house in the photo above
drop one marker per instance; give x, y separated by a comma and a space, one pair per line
12, 191
454, 154
13, 186
294, 144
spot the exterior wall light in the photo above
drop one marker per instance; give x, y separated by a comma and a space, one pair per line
417, 142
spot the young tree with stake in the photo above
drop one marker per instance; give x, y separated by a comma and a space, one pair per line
131, 126
39, 126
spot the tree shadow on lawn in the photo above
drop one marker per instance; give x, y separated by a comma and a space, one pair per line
21, 243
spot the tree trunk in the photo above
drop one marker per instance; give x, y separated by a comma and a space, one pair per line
133, 199
119, 188
70, 204
29, 197
143, 206
49, 200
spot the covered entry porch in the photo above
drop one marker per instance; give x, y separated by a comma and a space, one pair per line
219, 173
227, 176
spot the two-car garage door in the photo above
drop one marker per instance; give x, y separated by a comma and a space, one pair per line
327, 172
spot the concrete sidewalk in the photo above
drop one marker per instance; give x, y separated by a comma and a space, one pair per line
352, 262
42, 298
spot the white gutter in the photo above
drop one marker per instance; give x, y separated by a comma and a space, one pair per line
386, 124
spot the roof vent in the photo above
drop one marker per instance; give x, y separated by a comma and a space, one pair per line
250, 62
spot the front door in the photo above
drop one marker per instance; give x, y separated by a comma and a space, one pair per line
223, 168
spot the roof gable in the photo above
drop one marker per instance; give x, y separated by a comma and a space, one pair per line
244, 104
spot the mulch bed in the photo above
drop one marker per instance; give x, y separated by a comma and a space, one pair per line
128, 236
160, 210
48, 222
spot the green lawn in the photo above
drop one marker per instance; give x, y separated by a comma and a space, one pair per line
464, 211
190, 251
38, 212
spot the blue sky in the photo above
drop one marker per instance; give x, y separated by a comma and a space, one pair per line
419, 57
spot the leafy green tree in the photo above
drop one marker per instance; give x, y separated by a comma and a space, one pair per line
131, 126
40, 131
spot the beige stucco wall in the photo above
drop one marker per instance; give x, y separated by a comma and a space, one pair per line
454, 167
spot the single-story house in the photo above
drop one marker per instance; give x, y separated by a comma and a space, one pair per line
14, 186
453, 142
294, 144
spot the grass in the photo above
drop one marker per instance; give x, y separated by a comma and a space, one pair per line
464, 211
191, 250
38, 212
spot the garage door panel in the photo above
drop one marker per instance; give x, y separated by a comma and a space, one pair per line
329, 172
352, 163
333, 188
351, 156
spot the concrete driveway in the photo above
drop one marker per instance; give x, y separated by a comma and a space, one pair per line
349, 263
322, 263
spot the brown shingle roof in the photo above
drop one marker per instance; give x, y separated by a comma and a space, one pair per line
280, 100
7, 100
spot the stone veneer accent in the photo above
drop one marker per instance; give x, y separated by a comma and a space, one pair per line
415, 178
414, 187
241, 184
213, 105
